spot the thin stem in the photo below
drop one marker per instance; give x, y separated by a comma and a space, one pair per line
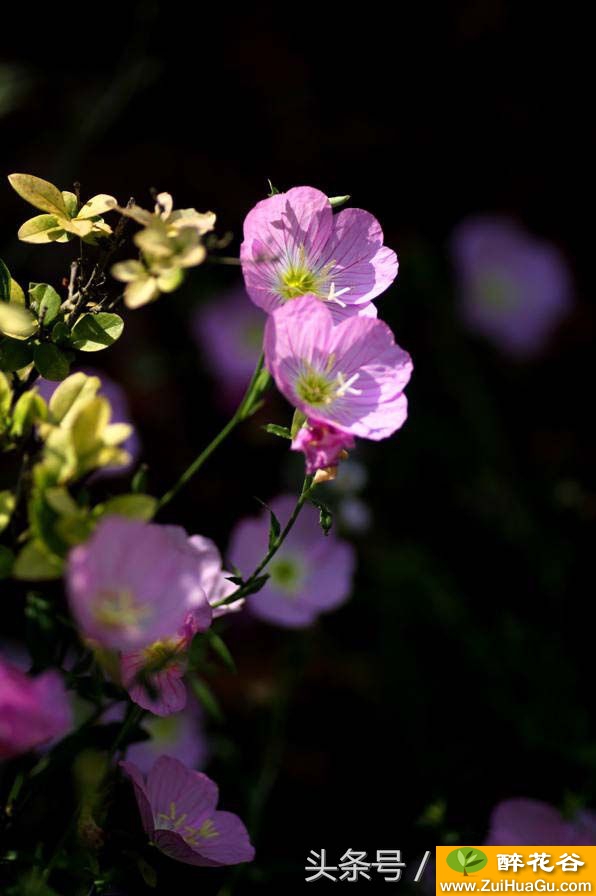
246, 407
133, 717
307, 488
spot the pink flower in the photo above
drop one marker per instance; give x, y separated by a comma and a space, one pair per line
32, 710
182, 736
515, 289
134, 583
522, 822
294, 245
229, 334
168, 656
323, 446
350, 377
310, 573
178, 812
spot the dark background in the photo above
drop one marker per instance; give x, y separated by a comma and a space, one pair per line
461, 671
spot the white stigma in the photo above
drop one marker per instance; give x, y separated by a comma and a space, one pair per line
345, 386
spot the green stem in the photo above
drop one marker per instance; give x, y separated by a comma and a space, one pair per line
246, 407
133, 716
307, 488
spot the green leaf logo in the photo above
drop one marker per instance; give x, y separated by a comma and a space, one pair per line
467, 860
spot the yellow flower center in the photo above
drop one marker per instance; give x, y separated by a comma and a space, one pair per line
119, 609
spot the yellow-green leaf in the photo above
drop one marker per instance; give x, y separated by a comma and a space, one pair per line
71, 395
94, 332
16, 293
39, 193
98, 205
16, 321
140, 507
42, 229
7, 505
35, 564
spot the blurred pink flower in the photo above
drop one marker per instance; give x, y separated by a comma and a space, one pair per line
522, 822
169, 654
134, 583
310, 574
178, 812
349, 377
182, 736
229, 333
33, 711
294, 245
514, 288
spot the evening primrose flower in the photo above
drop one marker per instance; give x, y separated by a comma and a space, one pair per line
33, 711
294, 246
517, 822
134, 583
348, 376
514, 288
179, 815
310, 573
163, 664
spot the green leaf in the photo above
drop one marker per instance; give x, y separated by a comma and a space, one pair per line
71, 395
6, 562
273, 191
45, 302
16, 293
470, 864
29, 409
16, 321
221, 649
298, 421
337, 201
60, 333
254, 586
282, 431
461, 859
96, 206
71, 202
5, 279
51, 362
42, 229
139, 480
139, 507
147, 872
94, 332
35, 564
7, 506
325, 515
206, 697
39, 193
14, 354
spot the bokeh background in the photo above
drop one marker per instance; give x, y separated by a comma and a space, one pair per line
461, 671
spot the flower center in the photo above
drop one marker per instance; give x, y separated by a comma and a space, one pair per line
297, 281
161, 655
299, 278
286, 574
315, 388
119, 609
190, 833
497, 292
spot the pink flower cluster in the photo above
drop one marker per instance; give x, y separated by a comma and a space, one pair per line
316, 274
